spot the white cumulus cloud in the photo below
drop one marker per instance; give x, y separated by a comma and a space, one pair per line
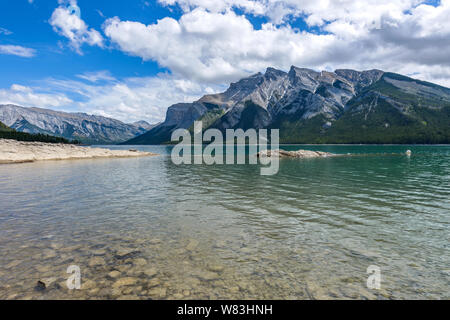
66, 21
213, 43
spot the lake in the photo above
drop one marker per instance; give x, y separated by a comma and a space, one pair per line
145, 228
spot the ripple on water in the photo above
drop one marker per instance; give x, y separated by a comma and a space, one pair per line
147, 229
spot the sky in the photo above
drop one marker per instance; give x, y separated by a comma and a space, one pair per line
132, 59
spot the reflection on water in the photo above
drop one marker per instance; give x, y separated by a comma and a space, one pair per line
147, 229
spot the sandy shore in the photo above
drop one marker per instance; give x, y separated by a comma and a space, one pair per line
12, 151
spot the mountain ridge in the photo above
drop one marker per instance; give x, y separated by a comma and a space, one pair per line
86, 128
308, 106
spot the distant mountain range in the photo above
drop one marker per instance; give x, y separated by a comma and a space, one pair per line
74, 126
344, 106
9, 133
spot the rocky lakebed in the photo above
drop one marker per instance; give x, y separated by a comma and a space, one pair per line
152, 269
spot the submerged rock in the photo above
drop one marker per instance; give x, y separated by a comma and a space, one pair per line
157, 293
192, 245
99, 252
123, 253
129, 298
45, 283
216, 268
235, 289
208, 275
186, 293
127, 281
178, 296
114, 274
304, 154
140, 262
155, 241
151, 272
155, 282
96, 261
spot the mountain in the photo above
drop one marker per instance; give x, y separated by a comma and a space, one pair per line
9, 133
144, 125
75, 126
344, 106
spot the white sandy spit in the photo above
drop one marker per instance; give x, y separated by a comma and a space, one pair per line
12, 151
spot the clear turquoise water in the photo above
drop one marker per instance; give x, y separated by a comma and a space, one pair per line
225, 232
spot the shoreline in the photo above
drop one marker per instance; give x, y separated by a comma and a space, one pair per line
13, 152
296, 144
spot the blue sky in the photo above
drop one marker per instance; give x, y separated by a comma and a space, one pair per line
30, 28
132, 59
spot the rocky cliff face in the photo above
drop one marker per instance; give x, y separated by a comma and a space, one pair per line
306, 105
77, 126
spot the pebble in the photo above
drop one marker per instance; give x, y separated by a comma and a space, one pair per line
128, 298
221, 244
55, 245
192, 245
246, 250
96, 261
42, 269
208, 275
114, 274
63, 285
94, 291
13, 264
125, 252
127, 281
127, 290
215, 267
123, 268
88, 284
99, 252
316, 292
151, 272
155, 241
116, 292
49, 254
154, 283
235, 289
157, 293
140, 262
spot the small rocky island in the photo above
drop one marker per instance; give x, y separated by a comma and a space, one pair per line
12, 151
303, 154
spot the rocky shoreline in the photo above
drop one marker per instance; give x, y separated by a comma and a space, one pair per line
303, 154
12, 151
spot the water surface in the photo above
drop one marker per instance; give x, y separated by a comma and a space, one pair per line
225, 232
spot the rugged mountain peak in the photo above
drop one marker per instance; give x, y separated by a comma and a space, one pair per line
305, 101
274, 73
303, 78
299, 70
258, 88
247, 83
360, 78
